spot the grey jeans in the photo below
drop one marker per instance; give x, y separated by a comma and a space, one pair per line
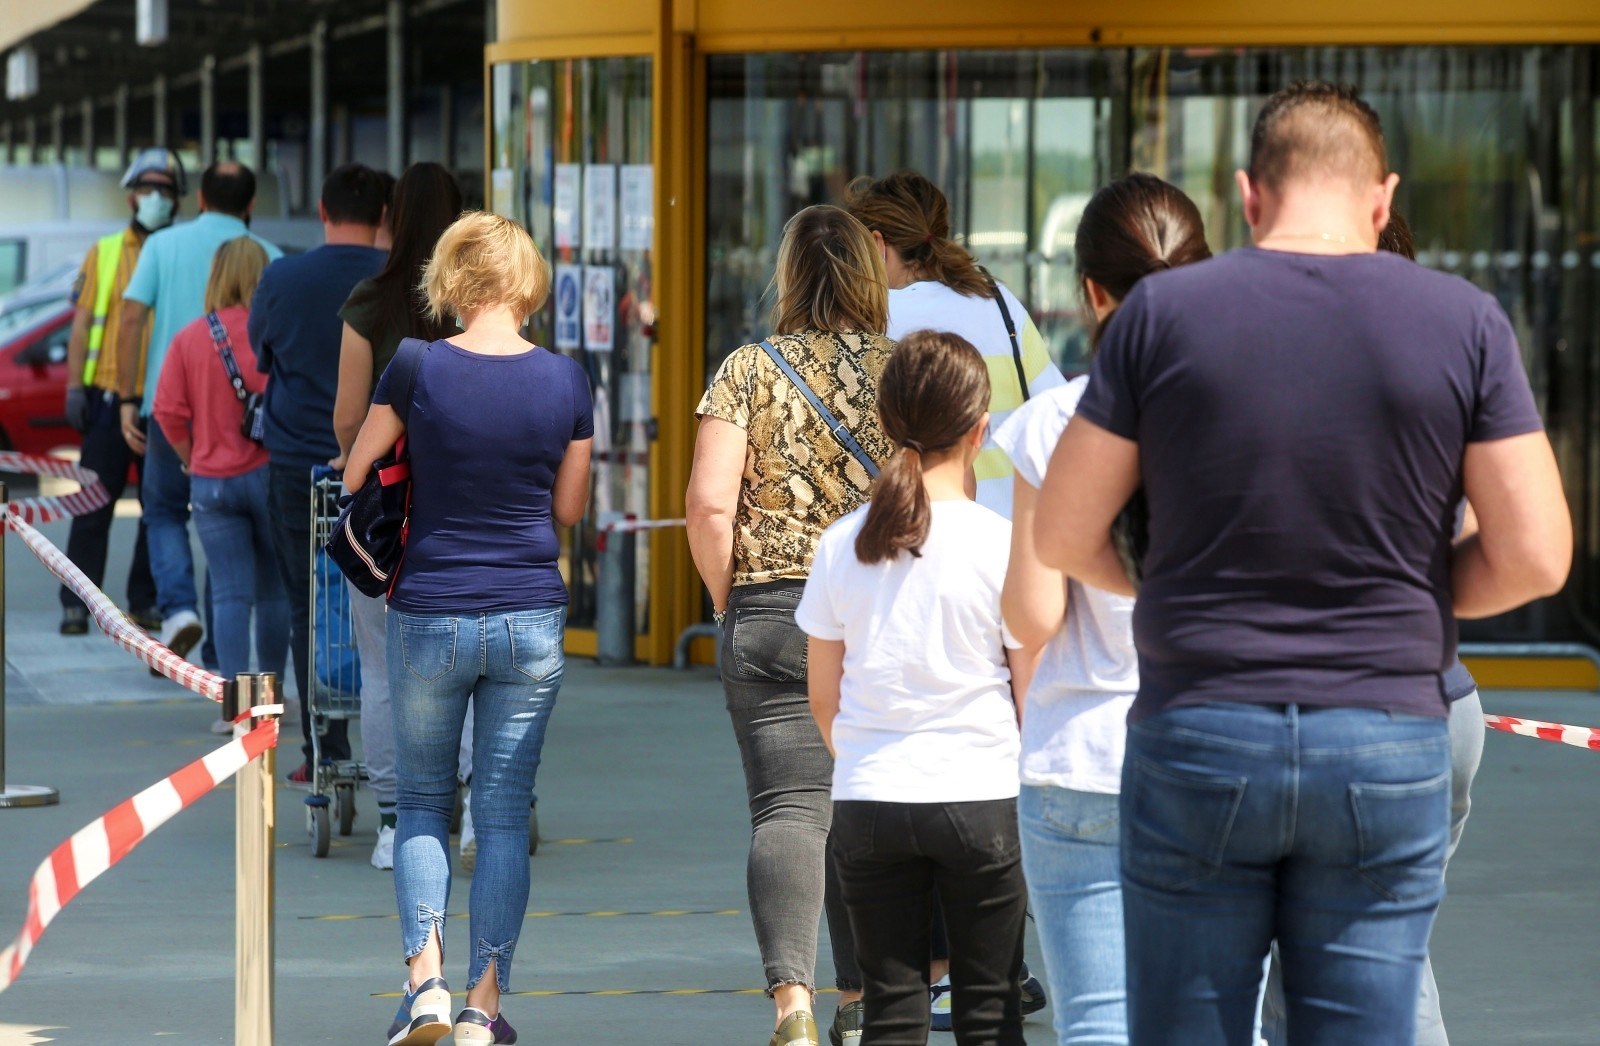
788, 776
1466, 752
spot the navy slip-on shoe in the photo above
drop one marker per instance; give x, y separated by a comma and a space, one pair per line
476, 1028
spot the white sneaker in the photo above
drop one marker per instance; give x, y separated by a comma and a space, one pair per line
469, 840
940, 1019
181, 631
383, 852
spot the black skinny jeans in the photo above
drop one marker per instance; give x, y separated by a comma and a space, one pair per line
896, 861
788, 776
108, 454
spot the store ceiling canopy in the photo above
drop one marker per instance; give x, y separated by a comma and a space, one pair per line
20, 19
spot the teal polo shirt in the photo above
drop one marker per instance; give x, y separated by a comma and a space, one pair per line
171, 278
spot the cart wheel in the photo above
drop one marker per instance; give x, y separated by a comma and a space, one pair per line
455, 814
317, 824
533, 831
344, 801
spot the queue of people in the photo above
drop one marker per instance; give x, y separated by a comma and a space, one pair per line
1163, 654
1224, 621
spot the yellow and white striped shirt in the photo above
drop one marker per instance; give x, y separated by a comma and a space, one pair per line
927, 305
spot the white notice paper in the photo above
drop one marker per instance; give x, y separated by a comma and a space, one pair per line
638, 206
599, 307
565, 204
600, 206
569, 306
501, 183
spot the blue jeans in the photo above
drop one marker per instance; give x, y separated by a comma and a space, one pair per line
235, 528
1323, 828
510, 667
1070, 857
164, 489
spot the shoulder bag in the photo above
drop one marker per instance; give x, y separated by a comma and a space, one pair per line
1011, 332
254, 418
835, 426
369, 540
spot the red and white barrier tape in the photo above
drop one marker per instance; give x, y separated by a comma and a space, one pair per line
103, 842
64, 506
1577, 736
114, 622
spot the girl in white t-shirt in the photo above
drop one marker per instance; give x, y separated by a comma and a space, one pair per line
1078, 650
911, 688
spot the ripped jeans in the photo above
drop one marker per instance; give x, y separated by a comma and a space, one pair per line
509, 665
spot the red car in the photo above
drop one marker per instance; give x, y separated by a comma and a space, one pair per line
33, 379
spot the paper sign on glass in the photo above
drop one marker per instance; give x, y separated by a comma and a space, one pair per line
599, 307
501, 181
600, 206
569, 306
565, 204
638, 206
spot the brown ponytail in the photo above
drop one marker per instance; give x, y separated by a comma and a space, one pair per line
932, 393
913, 216
1133, 227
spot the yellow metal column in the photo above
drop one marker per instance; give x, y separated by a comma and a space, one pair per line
678, 369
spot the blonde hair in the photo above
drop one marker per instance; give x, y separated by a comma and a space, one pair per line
484, 259
829, 275
235, 271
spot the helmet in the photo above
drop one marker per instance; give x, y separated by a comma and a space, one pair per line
152, 160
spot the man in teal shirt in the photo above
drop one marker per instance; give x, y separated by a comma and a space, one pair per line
170, 280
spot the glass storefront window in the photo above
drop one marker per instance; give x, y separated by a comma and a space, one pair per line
1496, 148
571, 162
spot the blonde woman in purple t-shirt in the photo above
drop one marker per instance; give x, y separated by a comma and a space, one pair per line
498, 433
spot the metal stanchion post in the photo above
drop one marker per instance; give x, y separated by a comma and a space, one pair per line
254, 888
12, 794
613, 615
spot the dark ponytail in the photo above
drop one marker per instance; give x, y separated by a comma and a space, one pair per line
932, 393
1133, 227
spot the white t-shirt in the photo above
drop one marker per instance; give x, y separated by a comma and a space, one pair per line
925, 709
1075, 718
927, 305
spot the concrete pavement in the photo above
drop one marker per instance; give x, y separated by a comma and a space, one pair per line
638, 928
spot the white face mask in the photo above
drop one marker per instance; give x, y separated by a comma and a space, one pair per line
155, 210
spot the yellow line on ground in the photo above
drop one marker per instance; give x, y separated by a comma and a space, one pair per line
666, 913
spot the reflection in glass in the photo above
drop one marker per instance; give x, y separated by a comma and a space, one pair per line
571, 152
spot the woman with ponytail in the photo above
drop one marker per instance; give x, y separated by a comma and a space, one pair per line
1081, 640
911, 689
935, 284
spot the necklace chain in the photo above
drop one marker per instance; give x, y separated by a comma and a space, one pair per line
1326, 237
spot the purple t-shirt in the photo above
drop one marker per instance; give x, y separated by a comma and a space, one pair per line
1301, 423
486, 435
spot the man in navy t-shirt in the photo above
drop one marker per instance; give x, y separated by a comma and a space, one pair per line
1304, 415
295, 329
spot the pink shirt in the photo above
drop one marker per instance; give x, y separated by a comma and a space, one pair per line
195, 401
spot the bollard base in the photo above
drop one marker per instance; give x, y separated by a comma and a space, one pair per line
28, 795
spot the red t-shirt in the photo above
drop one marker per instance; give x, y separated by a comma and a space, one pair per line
196, 402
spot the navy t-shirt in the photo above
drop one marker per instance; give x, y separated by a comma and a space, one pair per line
296, 330
486, 435
1301, 423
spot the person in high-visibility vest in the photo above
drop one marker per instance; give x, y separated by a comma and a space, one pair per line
154, 181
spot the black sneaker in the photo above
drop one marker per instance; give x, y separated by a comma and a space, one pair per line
147, 618
74, 621
1033, 998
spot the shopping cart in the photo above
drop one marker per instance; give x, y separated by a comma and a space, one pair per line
335, 675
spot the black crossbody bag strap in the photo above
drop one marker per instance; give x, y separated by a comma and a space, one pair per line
835, 426
1011, 332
